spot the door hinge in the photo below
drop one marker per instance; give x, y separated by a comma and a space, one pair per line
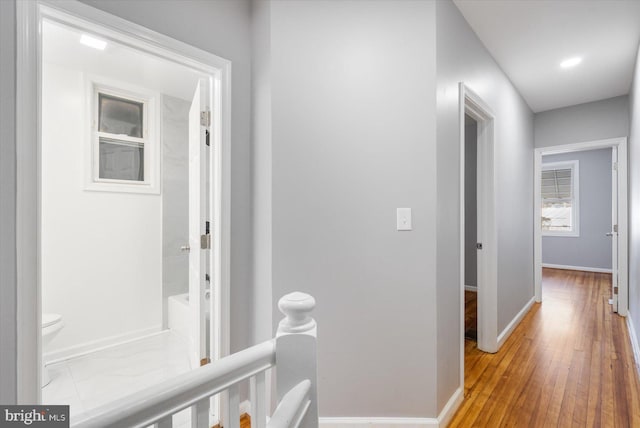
479, 246
615, 166
615, 228
615, 290
205, 242
205, 118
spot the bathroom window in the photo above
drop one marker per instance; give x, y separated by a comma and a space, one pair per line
124, 141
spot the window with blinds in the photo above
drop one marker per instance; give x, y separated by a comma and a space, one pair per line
559, 188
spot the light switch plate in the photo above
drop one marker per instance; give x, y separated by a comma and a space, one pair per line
404, 219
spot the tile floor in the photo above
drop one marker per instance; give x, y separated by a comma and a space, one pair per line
94, 379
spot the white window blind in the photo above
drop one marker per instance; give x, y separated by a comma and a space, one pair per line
559, 191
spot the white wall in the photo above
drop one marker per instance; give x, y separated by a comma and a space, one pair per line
175, 198
592, 249
101, 251
461, 57
583, 122
353, 138
634, 202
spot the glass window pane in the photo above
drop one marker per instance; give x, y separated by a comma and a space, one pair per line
557, 216
119, 116
121, 160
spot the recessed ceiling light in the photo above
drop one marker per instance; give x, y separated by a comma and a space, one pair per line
571, 62
93, 42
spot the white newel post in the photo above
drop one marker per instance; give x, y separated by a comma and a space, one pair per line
296, 358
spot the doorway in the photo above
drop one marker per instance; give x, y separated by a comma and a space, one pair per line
562, 220
107, 196
478, 239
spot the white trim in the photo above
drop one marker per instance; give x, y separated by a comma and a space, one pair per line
471, 288
449, 410
28, 169
623, 231
580, 268
471, 104
29, 14
378, 422
574, 165
100, 344
441, 421
151, 140
514, 322
634, 342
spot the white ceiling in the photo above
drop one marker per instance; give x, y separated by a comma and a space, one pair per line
61, 46
530, 38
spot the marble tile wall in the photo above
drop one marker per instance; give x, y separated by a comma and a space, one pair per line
175, 200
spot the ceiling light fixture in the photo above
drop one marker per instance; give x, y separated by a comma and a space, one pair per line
571, 62
93, 42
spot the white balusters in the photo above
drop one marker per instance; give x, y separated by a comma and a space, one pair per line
258, 393
166, 422
234, 407
293, 351
200, 414
296, 352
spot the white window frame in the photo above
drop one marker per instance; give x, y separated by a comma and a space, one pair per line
151, 136
574, 165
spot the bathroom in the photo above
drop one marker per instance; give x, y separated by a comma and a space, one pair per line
115, 219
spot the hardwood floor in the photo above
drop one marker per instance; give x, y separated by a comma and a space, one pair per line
470, 315
568, 364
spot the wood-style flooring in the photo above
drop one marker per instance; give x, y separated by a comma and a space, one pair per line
568, 364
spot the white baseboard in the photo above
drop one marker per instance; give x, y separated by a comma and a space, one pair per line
450, 408
98, 345
377, 422
502, 337
582, 268
472, 288
634, 342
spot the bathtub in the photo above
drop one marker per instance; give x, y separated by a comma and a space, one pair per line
179, 314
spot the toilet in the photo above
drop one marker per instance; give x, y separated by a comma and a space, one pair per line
51, 325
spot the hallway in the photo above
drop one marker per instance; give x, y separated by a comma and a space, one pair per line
569, 363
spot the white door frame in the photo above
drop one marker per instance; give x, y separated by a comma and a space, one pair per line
623, 229
30, 14
487, 294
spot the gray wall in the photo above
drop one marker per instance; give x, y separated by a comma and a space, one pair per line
470, 201
592, 248
8, 337
584, 122
634, 202
353, 138
462, 57
175, 198
262, 160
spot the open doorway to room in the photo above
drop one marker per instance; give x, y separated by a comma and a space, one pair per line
478, 240
581, 204
125, 180
470, 230
127, 177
